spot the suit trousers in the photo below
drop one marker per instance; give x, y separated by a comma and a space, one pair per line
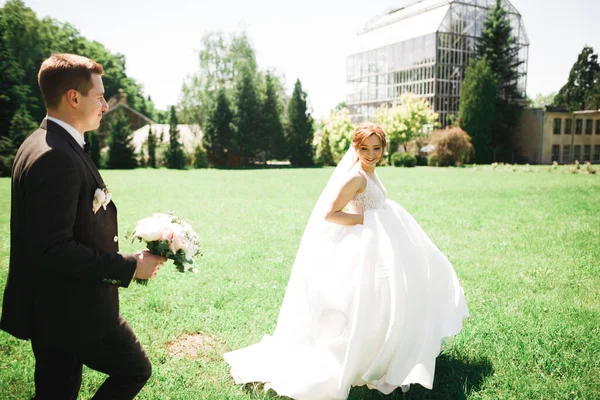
119, 355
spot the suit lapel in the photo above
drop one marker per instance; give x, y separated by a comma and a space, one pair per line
54, 128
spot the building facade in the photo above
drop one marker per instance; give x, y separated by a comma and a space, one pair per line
423, 48
554, 134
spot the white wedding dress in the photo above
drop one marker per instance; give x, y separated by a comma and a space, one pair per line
365, 305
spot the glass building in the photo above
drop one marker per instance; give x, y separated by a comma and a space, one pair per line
423, 47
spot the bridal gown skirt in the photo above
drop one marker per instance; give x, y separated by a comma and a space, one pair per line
368, 305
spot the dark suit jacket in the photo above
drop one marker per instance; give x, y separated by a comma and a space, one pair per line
64, 270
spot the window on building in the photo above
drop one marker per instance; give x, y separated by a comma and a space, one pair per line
568, 126
557, 123
598, 127
578, 126
587, 150
588, 126
577, 152
555, 152
597, 152
566, 156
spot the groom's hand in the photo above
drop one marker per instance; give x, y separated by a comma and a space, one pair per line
148, 264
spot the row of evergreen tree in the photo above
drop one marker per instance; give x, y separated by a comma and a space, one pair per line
245, 115
121, 153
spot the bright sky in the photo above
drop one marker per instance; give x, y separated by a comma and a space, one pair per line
306, 39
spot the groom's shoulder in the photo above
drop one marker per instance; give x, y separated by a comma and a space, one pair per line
43, 149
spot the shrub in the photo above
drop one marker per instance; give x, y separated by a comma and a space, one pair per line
452, 146
404, 160
200, 159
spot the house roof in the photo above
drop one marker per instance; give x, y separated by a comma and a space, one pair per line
191, 135
125, 106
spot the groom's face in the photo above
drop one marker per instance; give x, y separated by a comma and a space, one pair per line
93, 105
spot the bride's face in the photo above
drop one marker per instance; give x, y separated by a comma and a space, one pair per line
370, 151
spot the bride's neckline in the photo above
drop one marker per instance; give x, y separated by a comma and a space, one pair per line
375, 179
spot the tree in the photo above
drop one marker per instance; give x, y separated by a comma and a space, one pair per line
219, 133
175, 155
270, 115
215, 71
500, 48
121, 153
478, 106
21, 126
142, 162
12, 92
339, 130
593, 97
247, 118
405, 122
324, 155
7, 155
27, 47
543, 100
200, 160
300, 128
584, 75
151, 148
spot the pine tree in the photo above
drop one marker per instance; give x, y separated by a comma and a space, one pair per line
247, 117
500, 48
219, 132
175, 155
271, 126
578, 93
142, 159
477, 107
121, 152
300, 129
151, 148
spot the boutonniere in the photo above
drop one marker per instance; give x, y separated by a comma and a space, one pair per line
101, 199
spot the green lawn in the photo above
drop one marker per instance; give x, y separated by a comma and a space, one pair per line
525, 245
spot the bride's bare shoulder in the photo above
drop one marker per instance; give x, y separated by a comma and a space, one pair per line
357, 180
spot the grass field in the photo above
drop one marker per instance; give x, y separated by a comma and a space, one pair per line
525, 245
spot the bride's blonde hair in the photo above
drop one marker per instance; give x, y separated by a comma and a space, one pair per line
364, 131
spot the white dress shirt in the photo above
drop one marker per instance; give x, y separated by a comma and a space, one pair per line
72, 131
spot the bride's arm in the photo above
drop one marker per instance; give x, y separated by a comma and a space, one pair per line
335, 214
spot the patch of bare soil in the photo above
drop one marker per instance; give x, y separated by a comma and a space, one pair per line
197, 345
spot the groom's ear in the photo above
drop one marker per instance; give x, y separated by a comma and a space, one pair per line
72, 97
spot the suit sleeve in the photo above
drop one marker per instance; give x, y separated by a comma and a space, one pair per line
51, 195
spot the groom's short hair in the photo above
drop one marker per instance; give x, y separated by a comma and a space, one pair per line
62, 72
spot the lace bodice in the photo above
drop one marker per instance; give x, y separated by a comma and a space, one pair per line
373, 197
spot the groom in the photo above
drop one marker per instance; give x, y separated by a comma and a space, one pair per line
65, 269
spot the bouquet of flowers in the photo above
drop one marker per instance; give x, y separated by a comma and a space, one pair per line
169, 236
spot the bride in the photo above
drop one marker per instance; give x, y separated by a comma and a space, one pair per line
370, 297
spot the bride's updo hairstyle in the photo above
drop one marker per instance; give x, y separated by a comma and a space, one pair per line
365, 130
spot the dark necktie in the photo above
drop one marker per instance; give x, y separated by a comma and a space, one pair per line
86, 148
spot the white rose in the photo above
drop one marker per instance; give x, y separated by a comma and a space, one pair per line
99, 198
148, 229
